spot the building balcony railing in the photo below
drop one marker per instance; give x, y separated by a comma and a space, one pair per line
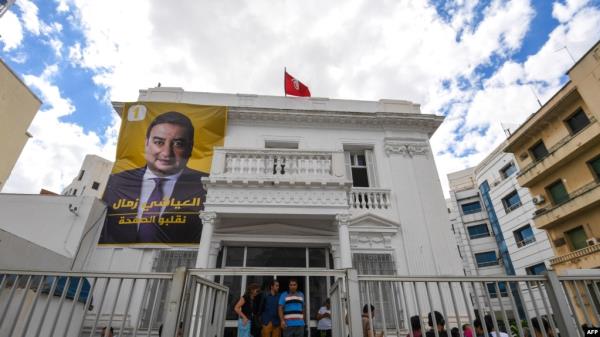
278, 165
559, 153
578, 200
576, 254
369, 198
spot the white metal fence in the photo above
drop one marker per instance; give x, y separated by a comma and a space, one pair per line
82, 304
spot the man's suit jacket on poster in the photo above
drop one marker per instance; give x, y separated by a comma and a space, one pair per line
128, 185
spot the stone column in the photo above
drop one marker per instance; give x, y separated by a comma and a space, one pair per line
208, 225
342, 221
215, 247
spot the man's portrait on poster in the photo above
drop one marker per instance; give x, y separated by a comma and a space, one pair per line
160, 202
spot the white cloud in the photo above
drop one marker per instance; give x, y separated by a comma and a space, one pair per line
53, 156
348, 49
62, 6
56, 45
563, 12
11, 31
29, 16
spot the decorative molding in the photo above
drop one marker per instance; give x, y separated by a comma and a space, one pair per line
284, 197
342, 119
342, 219
208, 217
407, 148
362, 240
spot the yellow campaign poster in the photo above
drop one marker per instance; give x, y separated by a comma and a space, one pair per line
154, 193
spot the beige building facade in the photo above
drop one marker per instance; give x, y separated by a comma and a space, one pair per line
558, 152
18, 106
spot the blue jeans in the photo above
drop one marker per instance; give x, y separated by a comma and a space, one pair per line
244, 330
293, 331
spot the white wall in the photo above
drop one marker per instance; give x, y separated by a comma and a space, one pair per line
46, 221
95, 169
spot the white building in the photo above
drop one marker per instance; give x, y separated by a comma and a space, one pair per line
366, 194
490, 216
92, 177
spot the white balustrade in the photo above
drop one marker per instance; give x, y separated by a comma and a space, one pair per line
369, 198
278, 164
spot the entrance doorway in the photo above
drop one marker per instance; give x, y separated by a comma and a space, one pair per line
312, 267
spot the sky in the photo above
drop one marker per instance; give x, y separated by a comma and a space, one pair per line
482, 64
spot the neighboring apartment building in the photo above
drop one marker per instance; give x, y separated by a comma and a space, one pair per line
91, 179
491, 216
558, 152
377, 204
18, 106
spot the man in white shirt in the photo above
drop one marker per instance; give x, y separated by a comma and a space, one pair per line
324, 320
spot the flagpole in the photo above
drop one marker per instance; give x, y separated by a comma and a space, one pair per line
284, 71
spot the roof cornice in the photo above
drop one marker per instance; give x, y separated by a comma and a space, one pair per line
344, 119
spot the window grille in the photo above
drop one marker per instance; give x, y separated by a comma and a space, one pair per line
390, 296
166, 261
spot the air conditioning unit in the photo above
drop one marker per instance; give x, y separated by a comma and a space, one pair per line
559, 242
496, 182
538, 199
523, 155
592, 241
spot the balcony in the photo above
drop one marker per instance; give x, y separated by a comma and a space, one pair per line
559, 154
277, 181
575, 255
579, 200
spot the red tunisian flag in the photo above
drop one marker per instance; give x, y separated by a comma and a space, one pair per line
294, 87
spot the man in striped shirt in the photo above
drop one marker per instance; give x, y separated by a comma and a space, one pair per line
291, 311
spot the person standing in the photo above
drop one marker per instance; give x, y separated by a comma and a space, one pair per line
415, 325
269, 311
244, 308
324, 319
291, 310
436, 321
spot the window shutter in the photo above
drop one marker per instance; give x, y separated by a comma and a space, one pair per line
348, 168
371, 168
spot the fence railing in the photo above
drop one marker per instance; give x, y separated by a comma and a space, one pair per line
369, 198
277, 164
82, 304
517, 305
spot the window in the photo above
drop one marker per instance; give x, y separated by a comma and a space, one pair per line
361, 167
577, 238
95, 185
538, 151
81, 174
578, 121
486, 259
377, 264
471, 207
524, 236
493, 291
536, 269
478, 231
558, 192
511, 201
595, 166
275, 144
75, 192
508, 170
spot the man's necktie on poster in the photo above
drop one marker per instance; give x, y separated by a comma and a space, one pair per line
148, 232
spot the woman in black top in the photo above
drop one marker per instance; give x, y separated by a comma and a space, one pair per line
244, 309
